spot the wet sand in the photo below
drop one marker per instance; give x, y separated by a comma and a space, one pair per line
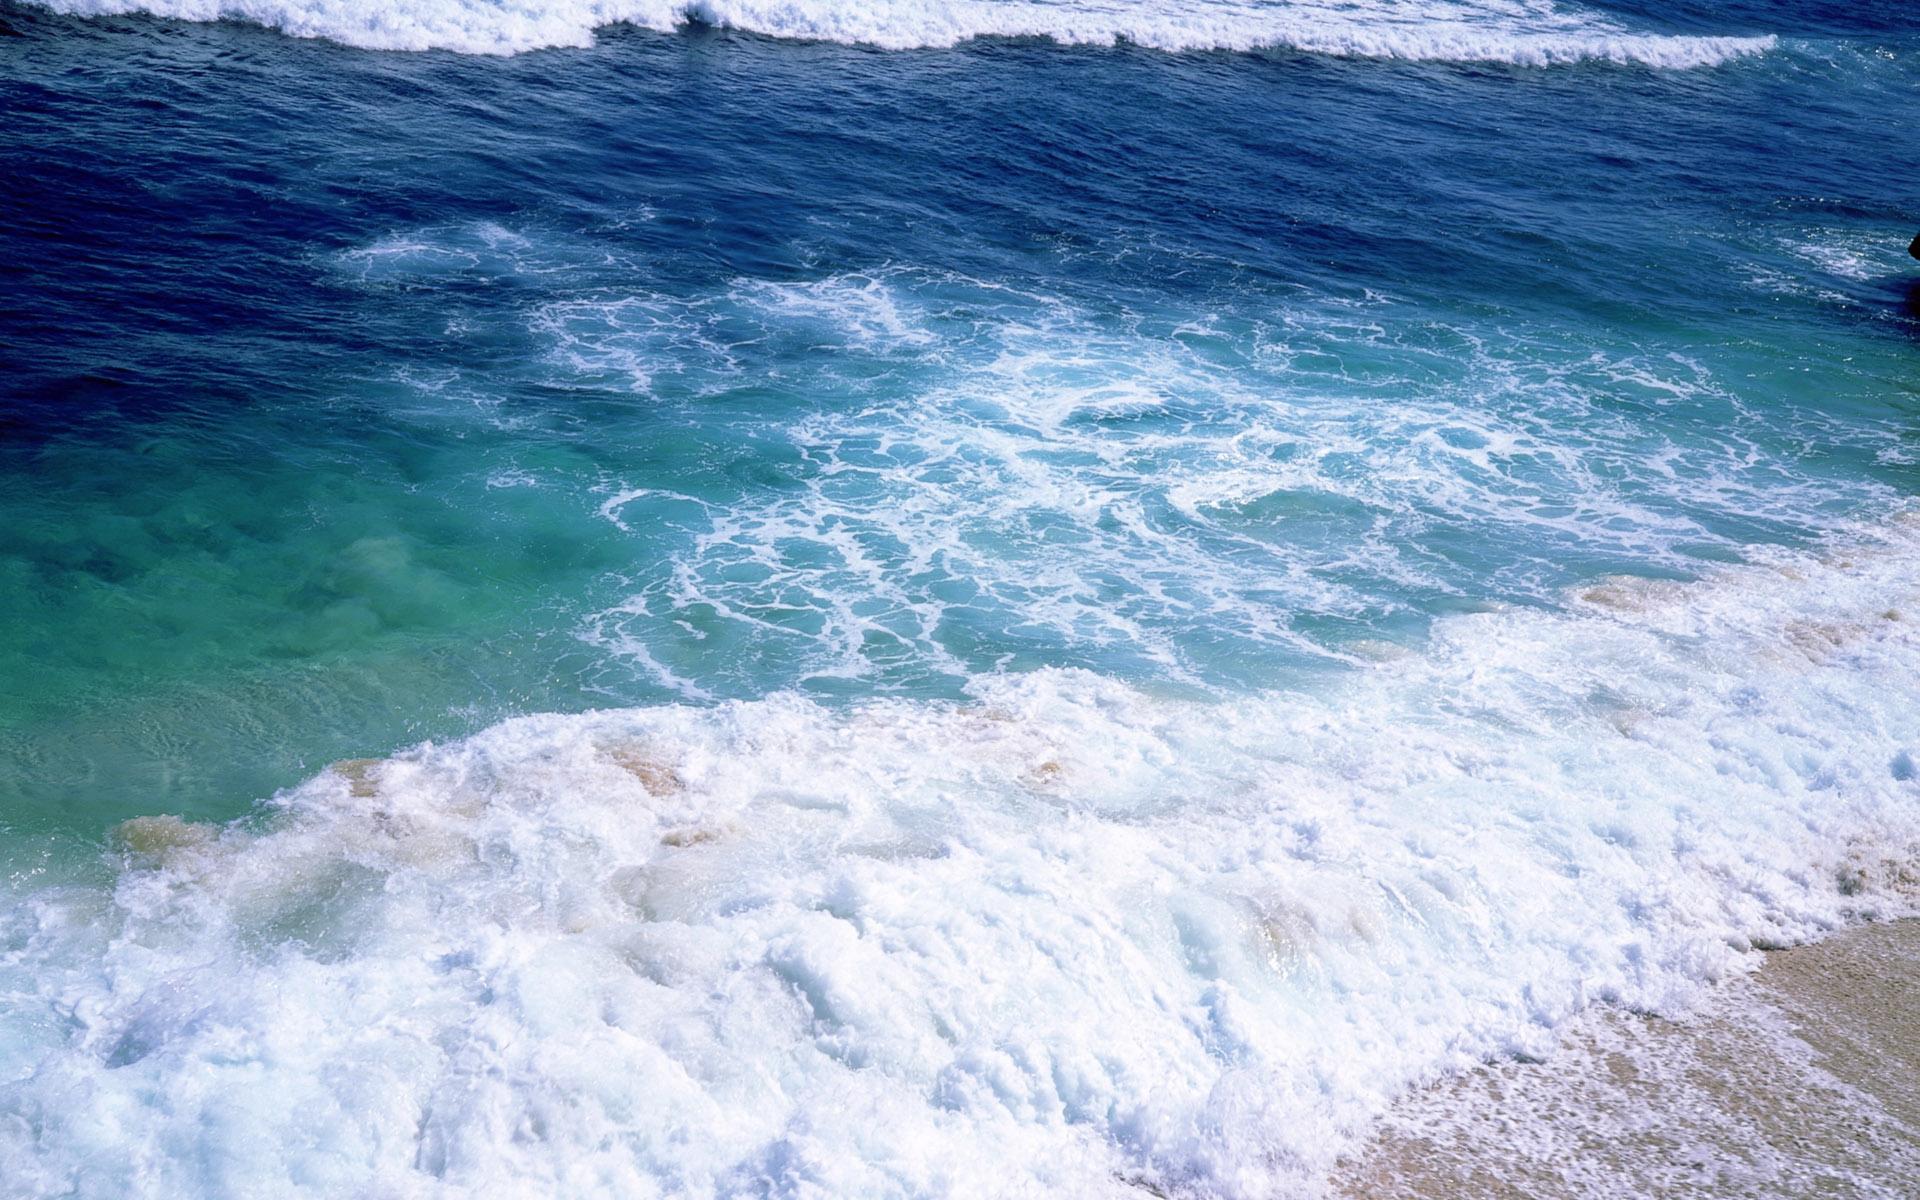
1802, 1080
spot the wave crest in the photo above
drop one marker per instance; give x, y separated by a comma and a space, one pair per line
1521, 32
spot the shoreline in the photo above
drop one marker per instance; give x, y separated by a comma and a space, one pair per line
1796, 1080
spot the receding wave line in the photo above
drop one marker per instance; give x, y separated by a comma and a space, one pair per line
1521, 32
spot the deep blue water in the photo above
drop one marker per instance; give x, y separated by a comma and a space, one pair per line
351, 397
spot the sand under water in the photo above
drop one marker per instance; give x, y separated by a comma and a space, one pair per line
1798, 1080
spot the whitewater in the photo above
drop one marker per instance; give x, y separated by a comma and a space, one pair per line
1064, 937
908, 600
1524, 32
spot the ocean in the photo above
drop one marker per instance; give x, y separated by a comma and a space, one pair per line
1029, 598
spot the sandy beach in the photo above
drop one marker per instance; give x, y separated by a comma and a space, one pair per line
1796, 1081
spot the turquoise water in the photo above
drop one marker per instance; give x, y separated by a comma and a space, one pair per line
1324, 433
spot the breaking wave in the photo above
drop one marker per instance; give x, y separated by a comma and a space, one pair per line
1522, 32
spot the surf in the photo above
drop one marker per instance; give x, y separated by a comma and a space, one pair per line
1534, 33
1066, 934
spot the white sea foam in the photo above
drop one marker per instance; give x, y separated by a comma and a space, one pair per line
1852, 255
1526, 32
1138, 487
1069, 938
1732, 1101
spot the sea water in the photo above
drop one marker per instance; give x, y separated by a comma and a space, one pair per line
905, 599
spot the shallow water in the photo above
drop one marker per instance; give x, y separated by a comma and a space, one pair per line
1095, 607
